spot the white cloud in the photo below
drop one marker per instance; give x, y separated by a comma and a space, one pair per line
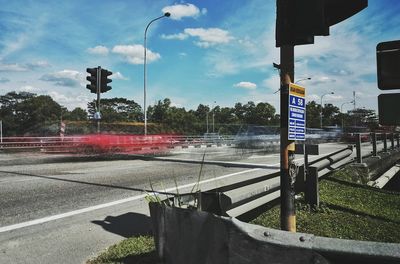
29, 88
179, 36
65, 78
221, 65
118, 76
37, 64
209, 37
71, 99
134, 54
321, 80
178, 11
100, 50
246, 85
14, 67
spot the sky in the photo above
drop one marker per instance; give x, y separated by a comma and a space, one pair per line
211, 52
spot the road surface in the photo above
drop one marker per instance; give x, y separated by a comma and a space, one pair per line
63, 209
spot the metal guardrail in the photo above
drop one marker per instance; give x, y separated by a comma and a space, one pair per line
375, 139
239, 198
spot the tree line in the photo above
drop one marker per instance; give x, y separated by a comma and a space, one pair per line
27, 113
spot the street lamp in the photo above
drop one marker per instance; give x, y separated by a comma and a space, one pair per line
144, 69
341, 111
304, 79
320, 113
296, 82
213, 117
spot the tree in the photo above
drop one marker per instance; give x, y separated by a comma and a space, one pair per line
158, 112
78, 114
330, 115
362, 117
117, 109
313, 114
34, 114
25, 112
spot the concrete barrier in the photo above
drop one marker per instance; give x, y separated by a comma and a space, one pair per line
187, 236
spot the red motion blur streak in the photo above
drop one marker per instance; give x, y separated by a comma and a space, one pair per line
127, 144
96, 144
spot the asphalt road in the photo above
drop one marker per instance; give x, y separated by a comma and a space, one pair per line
65, 209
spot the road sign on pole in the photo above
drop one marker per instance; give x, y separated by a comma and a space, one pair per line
297, 112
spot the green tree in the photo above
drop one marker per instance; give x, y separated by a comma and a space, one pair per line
158, 112
313, 114
8, 111
36, 114
330, 115
362, 117
117, 109
78, 114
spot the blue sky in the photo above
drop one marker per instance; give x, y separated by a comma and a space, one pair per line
208, 50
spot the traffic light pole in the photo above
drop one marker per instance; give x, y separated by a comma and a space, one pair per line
98, 96
287, 147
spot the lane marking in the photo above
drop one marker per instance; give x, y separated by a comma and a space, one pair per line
105, 205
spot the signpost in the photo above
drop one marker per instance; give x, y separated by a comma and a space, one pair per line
297, 112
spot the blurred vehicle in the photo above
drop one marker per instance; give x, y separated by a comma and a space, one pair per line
215, 138
313, 134
350, 134
256, 136
332, 133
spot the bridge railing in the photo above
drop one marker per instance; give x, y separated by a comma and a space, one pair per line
375, 139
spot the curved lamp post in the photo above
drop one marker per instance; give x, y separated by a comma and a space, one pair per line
341, 111
304, 79
144, 69
296, 82
320, 114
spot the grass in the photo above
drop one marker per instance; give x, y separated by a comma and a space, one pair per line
347, 210
138, 250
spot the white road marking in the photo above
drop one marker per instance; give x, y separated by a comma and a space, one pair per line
105, 205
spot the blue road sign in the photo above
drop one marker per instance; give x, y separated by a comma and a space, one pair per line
297, 112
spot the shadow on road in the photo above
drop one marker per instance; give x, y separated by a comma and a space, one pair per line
87, 183
127, 225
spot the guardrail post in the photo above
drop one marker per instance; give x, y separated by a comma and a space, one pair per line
358, 148
374, 151
384, 142
398, 140
312, 187
392, 140
299, 185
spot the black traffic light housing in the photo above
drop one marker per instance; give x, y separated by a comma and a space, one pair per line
98, 79
298, 21
104, 81
388, 65
92, 79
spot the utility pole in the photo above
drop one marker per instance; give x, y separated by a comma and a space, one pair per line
98, 96
297, 23
287, 174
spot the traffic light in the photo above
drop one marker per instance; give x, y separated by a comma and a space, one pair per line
92, 79
298, 21
388, 65
104, 81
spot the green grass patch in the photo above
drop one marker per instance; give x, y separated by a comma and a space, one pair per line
348, 210
138, 250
